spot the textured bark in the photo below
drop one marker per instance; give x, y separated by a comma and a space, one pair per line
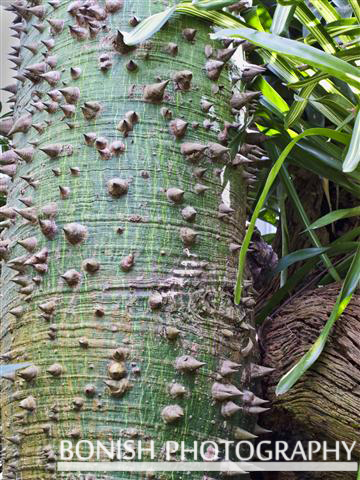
325, 403
160, 291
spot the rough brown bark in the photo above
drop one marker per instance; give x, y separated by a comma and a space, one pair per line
325, 403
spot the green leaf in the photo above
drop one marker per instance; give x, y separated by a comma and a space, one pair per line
270, 94
352, 158
346, 121
281, 199
6, 369
285, 178
326, 10
280, 66
321, 157
352, 278
298, 256
212, 4
335, 216
263, 14
148, 27
234, 144
348, 55
306, 253
345, 26
313, 24
268, 184
282, 18
221, 19
350, 283
297, 50
356, 7
337, 102
326, 155
338, 27
298, 106
342, 268
288, 2
258, 17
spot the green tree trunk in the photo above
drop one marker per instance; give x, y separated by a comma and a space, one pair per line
119, 272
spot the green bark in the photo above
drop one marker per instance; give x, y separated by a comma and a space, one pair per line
114, 308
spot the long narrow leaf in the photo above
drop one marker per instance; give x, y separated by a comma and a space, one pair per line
352, 278
212, 4
288, 2
148, 27
352, 158
298, 256
282, 18
356, 7
268, 184
326, 154
326, 10
297, 50
313, 24
305, 219
279, 66
339, 102
282, 68
306, 253
349, 55
284, 231
298, 106
270, 94
351, 282
221, 19
258, 18
321, 157
342, 268
335, 216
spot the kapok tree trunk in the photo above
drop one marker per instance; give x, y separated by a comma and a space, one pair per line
120, 269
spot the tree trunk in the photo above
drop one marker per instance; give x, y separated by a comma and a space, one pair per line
325, 403
118, 278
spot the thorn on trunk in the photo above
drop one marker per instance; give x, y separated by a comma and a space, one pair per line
186, 364
189, 34
175, 195
127, 263
71, 277
75, 233
183, 79
172, 413
48, 228
154, 93
117, 187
